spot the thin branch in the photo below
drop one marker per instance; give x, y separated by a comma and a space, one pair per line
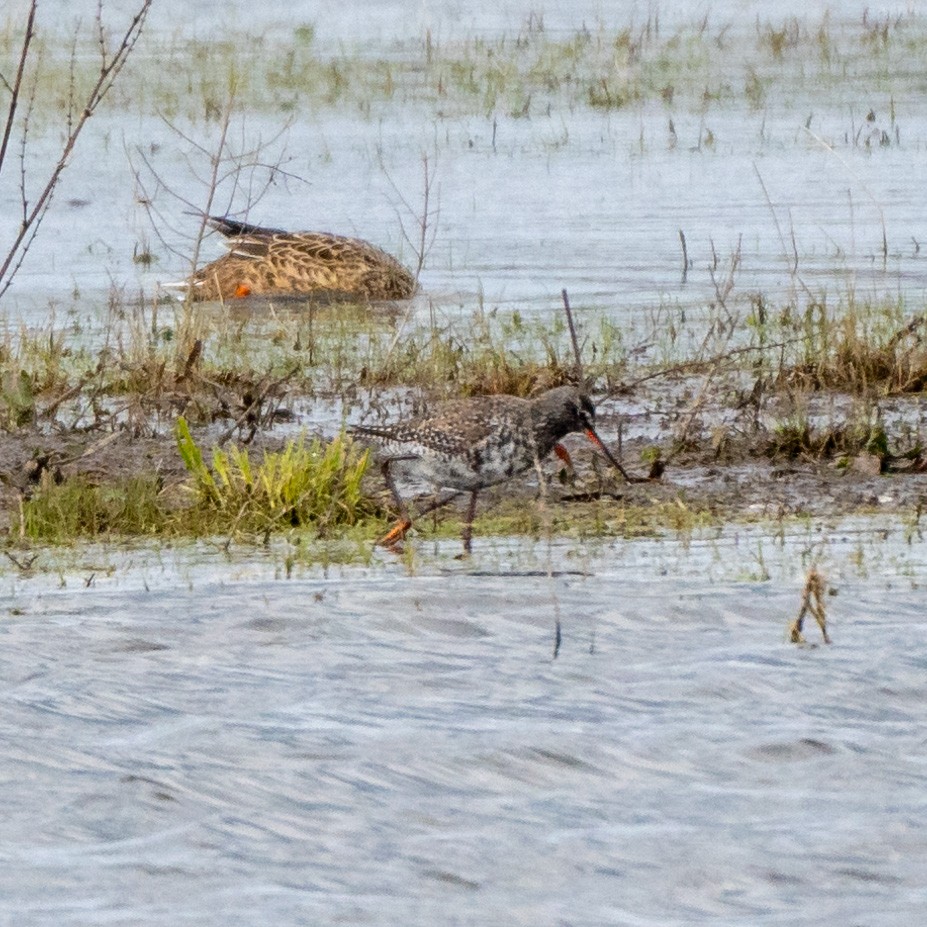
426, 219
216, 161
577, 357
224, 166
18, 81
693, 366
109, 71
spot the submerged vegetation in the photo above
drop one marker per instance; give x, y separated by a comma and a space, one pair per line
288, 70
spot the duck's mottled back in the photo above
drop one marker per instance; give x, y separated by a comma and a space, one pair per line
272, 262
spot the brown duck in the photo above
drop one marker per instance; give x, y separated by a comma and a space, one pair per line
272, 262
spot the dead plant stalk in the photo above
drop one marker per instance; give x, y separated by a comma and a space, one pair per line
812, 601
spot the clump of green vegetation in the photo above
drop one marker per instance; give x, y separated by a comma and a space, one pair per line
799, 438
59, 513
308, 485
316, 484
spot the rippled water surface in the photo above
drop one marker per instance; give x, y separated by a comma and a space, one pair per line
193, 740
800, 187
213, 745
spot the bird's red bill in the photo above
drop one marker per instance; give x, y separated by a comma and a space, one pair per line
609, 456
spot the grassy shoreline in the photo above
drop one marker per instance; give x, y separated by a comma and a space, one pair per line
90, 404
96, 440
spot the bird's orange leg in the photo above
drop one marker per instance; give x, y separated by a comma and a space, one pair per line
398, 532
395, 534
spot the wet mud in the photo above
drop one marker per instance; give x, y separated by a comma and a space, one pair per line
729, 474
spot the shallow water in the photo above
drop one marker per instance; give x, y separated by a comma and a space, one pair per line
211, 745
572, 197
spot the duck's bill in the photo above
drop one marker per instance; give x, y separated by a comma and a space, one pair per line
609, 456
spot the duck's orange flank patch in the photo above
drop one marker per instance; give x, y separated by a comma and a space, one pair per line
242, 290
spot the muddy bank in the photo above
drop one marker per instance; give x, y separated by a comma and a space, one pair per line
726, 478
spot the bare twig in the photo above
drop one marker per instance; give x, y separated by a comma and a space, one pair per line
426, 220
212, 185
230, 169
24, 565
698, 364
28, 36
255, 403
423, 244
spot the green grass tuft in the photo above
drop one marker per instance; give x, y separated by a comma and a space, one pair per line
314, 484
60, 513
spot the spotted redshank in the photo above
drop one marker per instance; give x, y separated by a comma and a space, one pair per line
466, 445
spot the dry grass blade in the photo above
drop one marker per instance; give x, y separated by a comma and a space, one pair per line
577, 357
846, 164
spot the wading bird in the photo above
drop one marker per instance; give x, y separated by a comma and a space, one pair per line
466, 445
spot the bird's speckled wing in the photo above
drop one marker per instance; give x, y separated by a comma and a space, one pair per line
456, 428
